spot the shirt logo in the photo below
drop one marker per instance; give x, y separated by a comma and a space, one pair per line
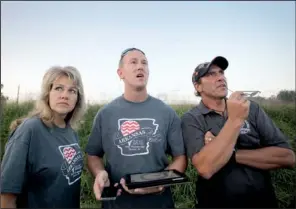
73, 162
134, 135
245, 128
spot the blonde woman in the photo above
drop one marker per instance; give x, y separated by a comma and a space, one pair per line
43, 162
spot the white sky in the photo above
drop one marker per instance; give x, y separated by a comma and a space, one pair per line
258, 39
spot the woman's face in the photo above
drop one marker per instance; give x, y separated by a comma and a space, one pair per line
63, 96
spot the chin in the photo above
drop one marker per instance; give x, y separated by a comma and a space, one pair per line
140, 87
62, 112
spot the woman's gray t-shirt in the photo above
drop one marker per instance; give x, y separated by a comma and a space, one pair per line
43, 166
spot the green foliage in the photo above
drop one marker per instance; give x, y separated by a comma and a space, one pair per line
11, 112
3, 98
286, 95
184, 195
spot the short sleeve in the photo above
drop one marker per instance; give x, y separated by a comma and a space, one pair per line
193, 134
175, 138
94, 145
270, 134
14, 165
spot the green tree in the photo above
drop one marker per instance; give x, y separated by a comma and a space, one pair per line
286, 95
3, 98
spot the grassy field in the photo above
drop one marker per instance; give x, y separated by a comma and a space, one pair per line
284, 179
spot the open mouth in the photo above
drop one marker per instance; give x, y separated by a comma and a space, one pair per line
140, 75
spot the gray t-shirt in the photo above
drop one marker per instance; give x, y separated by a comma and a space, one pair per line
42, 166
135, 137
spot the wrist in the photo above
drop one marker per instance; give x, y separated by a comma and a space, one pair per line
236, 122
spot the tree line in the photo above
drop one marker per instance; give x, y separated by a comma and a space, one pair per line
282, 95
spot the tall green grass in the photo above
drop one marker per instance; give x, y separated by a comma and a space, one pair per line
184, 195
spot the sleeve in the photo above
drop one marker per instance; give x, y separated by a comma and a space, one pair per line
270, 134
193, 134
94, 144
14, 165
175, 138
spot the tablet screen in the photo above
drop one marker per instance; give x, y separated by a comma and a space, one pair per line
153, 176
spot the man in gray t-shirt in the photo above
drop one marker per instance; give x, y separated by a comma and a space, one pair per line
135, 133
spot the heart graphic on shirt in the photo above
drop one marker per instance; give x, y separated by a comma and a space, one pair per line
128, 127
69, 153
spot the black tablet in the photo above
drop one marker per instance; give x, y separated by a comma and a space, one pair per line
109, 193
162, 178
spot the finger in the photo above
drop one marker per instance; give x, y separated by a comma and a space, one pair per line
141, 191
101, 183
209, 134
107, 184
119, 192
148, 190
236, 94
122, 182
208, 141
97, 191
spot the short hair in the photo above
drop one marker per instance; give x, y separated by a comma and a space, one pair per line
126, 51
196, 93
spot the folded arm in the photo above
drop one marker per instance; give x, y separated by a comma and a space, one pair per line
8, 200
266, 158
211, 158
276, 151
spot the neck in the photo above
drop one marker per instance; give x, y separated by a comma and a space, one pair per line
135, 95
214, 104
59, 121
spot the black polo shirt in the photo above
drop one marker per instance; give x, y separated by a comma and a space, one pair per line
234, 185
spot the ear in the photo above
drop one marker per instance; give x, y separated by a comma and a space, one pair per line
120, 73
198, 87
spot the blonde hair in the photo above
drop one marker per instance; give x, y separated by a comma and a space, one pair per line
42, 108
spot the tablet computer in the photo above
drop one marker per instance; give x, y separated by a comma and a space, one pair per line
161, 178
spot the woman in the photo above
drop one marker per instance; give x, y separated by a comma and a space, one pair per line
42, 164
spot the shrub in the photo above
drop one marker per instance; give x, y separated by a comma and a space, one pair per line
184, 195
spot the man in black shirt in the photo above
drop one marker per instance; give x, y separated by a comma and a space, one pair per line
232, 143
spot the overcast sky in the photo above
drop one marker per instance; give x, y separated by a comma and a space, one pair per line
258, 39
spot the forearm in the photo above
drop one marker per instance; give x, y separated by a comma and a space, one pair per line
266, 158
179, 163
95, 164
8, 201
216, 154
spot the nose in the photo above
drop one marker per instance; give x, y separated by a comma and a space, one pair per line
140, 67
64, 94
221, 77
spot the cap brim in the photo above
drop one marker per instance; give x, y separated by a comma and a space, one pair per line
221, 62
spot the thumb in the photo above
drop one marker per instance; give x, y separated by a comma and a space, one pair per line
209, 134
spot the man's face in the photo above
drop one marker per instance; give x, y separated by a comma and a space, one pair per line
134, 70
213, 84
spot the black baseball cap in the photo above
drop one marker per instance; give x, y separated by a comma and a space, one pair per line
202, 69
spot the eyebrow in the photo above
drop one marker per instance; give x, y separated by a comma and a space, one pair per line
134, 58
58, 84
